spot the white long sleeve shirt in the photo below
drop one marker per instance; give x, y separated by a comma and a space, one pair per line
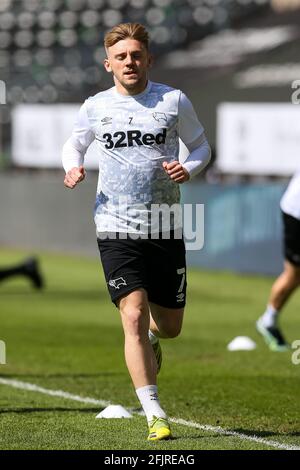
134, 136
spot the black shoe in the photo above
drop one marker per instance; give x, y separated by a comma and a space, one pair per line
31, 270
273, 337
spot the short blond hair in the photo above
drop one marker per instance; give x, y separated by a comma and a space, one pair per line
127, 30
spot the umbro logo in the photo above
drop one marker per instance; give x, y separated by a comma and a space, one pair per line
106, 120
116, 283
154, 396
180, 297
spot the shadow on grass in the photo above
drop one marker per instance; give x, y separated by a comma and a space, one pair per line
195, 437
228, 432
253, 433
94, 294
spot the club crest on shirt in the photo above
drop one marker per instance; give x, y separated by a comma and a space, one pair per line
160, 117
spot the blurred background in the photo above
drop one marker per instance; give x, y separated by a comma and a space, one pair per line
237, 60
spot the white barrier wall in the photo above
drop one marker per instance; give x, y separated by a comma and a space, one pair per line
258, 138
40, 131
242, 224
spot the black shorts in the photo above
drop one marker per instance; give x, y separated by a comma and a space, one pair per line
158, 266
291, 239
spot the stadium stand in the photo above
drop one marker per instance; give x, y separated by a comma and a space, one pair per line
51, 51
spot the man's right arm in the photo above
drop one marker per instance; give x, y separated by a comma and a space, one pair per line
75, 149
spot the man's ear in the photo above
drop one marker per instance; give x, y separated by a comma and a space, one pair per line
107, 65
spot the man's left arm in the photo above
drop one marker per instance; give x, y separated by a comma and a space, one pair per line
193, 136
199, 157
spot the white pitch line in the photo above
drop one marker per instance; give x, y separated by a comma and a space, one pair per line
103, 403
53, 393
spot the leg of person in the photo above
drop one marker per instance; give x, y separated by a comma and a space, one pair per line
28, 268
141, 362
124, 269
8, 272
164, 323
167, 290
283, 287
139, 355
166, 270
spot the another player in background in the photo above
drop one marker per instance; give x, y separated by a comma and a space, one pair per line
137, 125
28, 268
289, 280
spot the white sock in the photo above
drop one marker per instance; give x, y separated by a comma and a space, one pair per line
149, 400
153, 339
270, 317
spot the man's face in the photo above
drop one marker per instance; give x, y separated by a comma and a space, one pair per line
129, 61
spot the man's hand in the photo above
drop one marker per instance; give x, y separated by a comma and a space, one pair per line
176, 172
74, 176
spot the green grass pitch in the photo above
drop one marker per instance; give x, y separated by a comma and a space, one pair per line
69, 338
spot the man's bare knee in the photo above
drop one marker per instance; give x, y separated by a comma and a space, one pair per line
132, 317
134, 311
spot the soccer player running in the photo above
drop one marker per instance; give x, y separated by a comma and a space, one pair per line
137, 125
289, 280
